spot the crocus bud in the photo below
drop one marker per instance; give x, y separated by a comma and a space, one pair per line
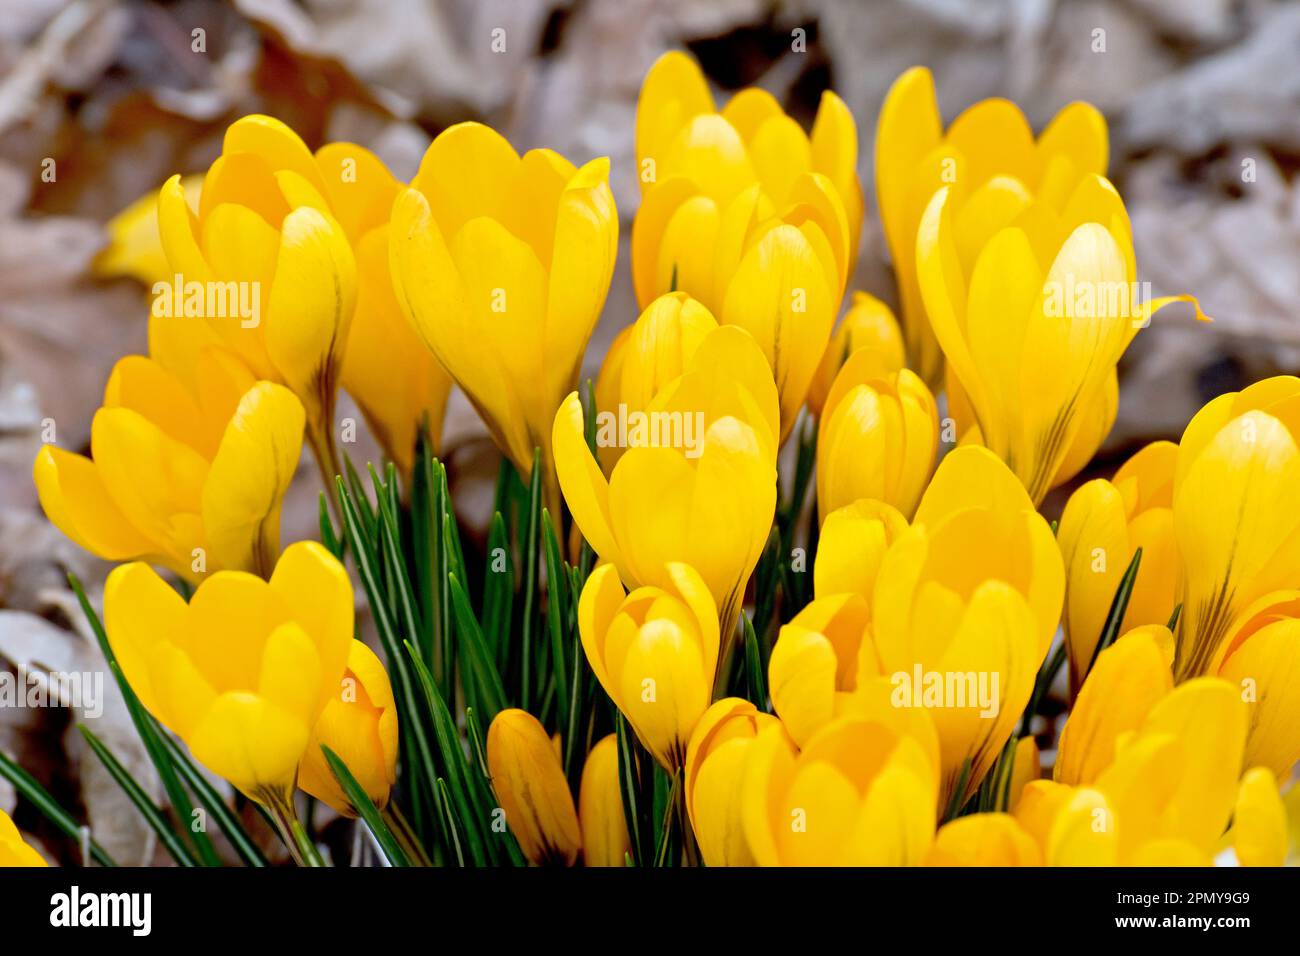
190, 480
528, 779
600, 807
1259, 826
876, 438
853, 541
747, 213
868, 326
984, 839
715, 774
502, 263
977, 549
13, 851
1103, 524
645, 357
711, 472
861, 793
1129, 678
360, 725
655, 651
991, 159
243, 671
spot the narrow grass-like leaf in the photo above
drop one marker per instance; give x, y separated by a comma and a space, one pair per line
149, 734
362, 803
143, 802
630, 788
555, 614
498, 590
29, 789
489, 681
532, 531
1118, 608
754, 677
669, 831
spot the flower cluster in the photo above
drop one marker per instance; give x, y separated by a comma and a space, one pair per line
674, 652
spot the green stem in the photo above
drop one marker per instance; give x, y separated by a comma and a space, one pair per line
290, 828
326, 453
405, 836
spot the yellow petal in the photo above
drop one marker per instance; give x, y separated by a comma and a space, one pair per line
600, 807
1259, 828
529, 782
983, 839
75, 499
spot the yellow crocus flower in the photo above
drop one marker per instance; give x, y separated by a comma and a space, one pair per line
244, 670
502, 264
984, 839
264, 236
190, 480
1033, 308
1234, 508
993, 164
528, 779
715, 776
395, 380
359, 723
707, 502
747, 213
13, 850
869, 326
655, 651
648, 355
1259, 825
877, 437
972, 593
1129, 678
1103, 524
862, 792
1164, 800
1261, 655
600, 807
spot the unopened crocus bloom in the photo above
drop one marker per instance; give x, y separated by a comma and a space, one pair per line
868, 326
600, 807
715, 777
274, 270
971, 592
1259, 825
1235, 518
747, 213
645, 357
502, 263
1164, 800
243, 671
187, 478
13, 850
655, 651
1103, 524
862, 792
396, 381
1130, 677
994, 165
528, 779
1261, 655
824, 663
359, 723
877, 437
1033, 313
984, 839
707, 501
